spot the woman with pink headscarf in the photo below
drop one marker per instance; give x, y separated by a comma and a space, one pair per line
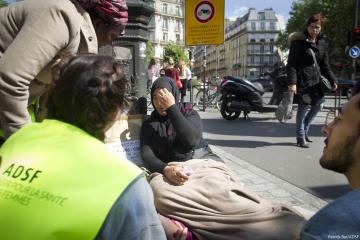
37, 33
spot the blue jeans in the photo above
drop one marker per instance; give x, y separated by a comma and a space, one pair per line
304, 118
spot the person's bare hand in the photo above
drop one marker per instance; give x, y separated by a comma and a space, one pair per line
334, 87
181, 233
166, 98
175, 175
174, 230
292, 88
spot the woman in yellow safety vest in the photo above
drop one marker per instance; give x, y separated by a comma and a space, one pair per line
57, 178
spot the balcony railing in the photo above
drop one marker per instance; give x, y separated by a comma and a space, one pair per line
168, 13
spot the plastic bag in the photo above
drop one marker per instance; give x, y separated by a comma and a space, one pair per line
284, 110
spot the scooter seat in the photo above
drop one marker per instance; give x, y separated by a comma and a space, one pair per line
254, 86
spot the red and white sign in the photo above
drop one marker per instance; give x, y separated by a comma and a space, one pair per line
204, 11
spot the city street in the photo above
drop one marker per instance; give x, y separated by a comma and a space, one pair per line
270, 145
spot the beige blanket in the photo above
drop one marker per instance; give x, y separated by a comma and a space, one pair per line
215, 205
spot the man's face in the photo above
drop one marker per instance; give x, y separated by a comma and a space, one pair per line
342, 143
105, 33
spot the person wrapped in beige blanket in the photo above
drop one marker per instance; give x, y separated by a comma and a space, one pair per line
213, 204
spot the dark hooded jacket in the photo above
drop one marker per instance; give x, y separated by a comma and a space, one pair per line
172, 137
301, 69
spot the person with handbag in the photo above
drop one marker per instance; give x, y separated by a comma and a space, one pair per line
307, 64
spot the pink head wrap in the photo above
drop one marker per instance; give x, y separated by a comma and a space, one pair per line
112, 11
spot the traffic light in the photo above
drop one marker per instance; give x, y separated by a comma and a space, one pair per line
356, 35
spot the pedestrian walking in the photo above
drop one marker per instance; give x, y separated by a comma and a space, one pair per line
153, 72
35, 34
185, 74
173, 72
304, 77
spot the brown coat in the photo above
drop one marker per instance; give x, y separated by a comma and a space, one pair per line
34, 34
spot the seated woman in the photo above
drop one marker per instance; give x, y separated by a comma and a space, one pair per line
210, 202
173, 133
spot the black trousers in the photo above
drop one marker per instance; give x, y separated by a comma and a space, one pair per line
184, 87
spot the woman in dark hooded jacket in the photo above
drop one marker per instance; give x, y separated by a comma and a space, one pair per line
303, 74
173, 133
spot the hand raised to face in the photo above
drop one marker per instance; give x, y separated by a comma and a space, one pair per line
163, 99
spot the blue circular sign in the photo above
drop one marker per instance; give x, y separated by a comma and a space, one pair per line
354, 52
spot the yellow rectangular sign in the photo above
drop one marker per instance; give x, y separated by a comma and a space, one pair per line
204, 22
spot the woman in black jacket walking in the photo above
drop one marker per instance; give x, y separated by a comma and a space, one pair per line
303, 75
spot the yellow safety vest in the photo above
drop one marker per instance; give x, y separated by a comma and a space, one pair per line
58, 182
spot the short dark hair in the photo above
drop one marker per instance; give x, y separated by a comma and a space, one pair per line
89, 93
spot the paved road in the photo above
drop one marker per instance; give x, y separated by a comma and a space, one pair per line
270, 146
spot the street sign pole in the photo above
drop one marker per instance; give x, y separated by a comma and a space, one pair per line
204, 78
355, 24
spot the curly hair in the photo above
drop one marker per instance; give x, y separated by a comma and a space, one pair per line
89, 93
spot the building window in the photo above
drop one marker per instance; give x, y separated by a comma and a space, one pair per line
177, 10
253, 26
262, 26
271, 48
177, 38
165, 37
164, 8
165, 23
262, 48
177, 25
272, 25
261, 16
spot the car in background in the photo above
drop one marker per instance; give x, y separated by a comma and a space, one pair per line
345, 85
266, 82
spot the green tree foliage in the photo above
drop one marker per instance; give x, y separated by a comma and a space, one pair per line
338, 21
150, 52
176, 52
3, 3
282, 41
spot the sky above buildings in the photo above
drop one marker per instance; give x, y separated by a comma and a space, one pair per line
238, 8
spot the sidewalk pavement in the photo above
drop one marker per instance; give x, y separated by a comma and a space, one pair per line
269, 186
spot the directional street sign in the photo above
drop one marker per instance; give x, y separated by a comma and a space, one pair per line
354, 52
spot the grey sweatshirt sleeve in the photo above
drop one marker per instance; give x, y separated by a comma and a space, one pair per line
133, 216
43, 34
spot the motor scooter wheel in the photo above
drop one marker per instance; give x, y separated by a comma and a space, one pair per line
226, 114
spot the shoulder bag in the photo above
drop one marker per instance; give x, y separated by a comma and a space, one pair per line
325, 84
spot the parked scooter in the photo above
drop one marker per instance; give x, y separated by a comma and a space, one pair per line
240, 95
